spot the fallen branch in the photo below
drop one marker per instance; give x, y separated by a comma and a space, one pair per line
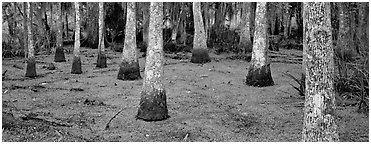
107, 125
31, 117
5, 72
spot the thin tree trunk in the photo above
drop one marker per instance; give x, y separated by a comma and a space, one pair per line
146, 23
245, 35
199, 53
344, 40
129, 66
286, 20
362, 30
31, 62
319, 122
153, 106
76, 64
59, 51
101, 59
258, 73
25, 29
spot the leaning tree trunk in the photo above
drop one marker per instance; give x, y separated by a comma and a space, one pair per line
245, 35
319, 122
153, 105
31, 62
102, 59
76, 64
59, 51
259, 73
199, 52
129, 66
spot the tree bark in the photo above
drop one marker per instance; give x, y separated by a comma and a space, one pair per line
362, 30
344, 40
101, 59
199, 52
31, 62
153, 105
245, 35
146, 23
129, 66
319, 122
59, 51
258, 73
76, 64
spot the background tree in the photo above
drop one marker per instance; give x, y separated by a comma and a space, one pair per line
153, 96
199, 52
245, 36
102, 59
76, 64
129, 66
259, 73
319, 121
31, 62
344, 40
59, 51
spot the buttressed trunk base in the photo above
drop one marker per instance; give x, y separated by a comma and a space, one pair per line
76, 65
200, 56
153, 106
59, 55
129, 71
102, 60
31, 67
259, 77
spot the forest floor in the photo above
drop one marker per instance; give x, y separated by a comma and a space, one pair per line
206, 102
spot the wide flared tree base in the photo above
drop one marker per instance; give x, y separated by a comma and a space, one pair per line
200, 56
76, 65
259, 77
59, 55
129, 71
102, 60
31, 67
153, 106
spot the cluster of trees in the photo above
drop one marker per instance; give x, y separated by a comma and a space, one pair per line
253, 22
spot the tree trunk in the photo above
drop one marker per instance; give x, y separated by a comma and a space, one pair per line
199, 53
362, 30
286, 20
102, 59
146, 23
153, 105
258, 73
344, 40
319, 122
25, 29
245, 35
182, 25
31, 62
129, 67
76, 64
59, 51
206, 19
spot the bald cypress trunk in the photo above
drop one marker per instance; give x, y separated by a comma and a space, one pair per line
76, 64
129, 66
102, 59
319, 122
59, 51
199, 52
259, 73
31, 62
153, 105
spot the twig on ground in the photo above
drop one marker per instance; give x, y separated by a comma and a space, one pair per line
107, 125
5, 72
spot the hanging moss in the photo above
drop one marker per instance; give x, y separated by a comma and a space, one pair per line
129, 71
76, 65
59, 55
102, 60
260, 77
31, 67
153, 106
200, 56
